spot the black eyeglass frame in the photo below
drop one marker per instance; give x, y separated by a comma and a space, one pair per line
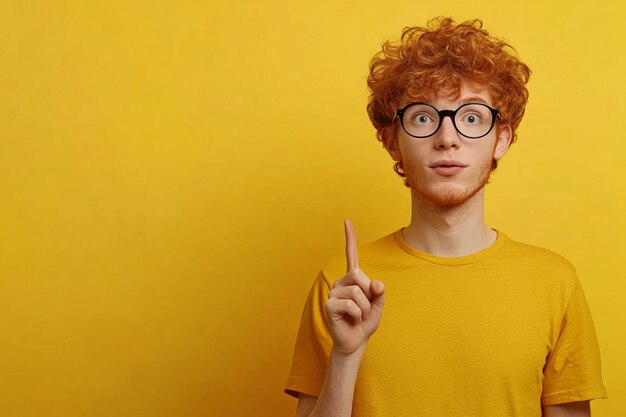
444, 113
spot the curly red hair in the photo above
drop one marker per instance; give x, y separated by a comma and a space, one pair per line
440, 57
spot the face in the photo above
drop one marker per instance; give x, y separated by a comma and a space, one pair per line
427, 161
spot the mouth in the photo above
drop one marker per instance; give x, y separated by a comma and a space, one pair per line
447, 163
447, 168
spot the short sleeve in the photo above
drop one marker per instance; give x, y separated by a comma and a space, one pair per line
313, 344
572, 371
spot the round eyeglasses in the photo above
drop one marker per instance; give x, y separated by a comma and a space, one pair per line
472, 120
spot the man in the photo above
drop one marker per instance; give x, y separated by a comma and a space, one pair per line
475, 324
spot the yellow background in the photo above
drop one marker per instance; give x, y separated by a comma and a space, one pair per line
174, 174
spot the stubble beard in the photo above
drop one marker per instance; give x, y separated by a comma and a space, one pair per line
448, 195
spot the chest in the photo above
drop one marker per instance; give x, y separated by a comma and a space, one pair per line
479, 326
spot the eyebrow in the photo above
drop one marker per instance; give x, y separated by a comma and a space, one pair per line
473, 99
470, 99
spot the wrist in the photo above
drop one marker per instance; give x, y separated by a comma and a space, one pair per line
343, 357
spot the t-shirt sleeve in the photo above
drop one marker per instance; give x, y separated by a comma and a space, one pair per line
313, 344
572, 371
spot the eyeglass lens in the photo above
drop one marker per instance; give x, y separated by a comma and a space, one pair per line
471, 120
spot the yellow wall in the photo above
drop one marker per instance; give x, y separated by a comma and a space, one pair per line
174, 175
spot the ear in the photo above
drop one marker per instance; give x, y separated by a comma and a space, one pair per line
503, 141
390, 139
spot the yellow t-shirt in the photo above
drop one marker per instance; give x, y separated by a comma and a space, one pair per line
493, 334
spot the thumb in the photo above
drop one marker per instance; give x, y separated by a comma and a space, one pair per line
378, 293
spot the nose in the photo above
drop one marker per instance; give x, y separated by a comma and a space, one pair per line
447, 136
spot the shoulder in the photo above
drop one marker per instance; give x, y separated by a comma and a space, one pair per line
513, 248
539, 261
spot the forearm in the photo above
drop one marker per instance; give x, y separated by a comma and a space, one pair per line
572, 409
337, 394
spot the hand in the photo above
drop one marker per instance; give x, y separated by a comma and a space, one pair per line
355, 304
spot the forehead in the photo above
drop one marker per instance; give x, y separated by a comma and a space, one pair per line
453, 97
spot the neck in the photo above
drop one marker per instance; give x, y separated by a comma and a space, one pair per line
448, 231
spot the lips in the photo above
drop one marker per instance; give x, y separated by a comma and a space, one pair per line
447, 163
447, 167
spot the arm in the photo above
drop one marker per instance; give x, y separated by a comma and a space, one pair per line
306, 403
354, 311
572, 369
338, 390
574, 409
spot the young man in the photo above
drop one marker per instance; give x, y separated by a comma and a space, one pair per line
475, 324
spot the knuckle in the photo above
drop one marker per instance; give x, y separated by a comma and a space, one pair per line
332, 307
352, 306
355, 290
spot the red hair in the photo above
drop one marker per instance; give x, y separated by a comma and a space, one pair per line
440, 57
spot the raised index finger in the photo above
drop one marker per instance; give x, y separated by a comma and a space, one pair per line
352, 256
